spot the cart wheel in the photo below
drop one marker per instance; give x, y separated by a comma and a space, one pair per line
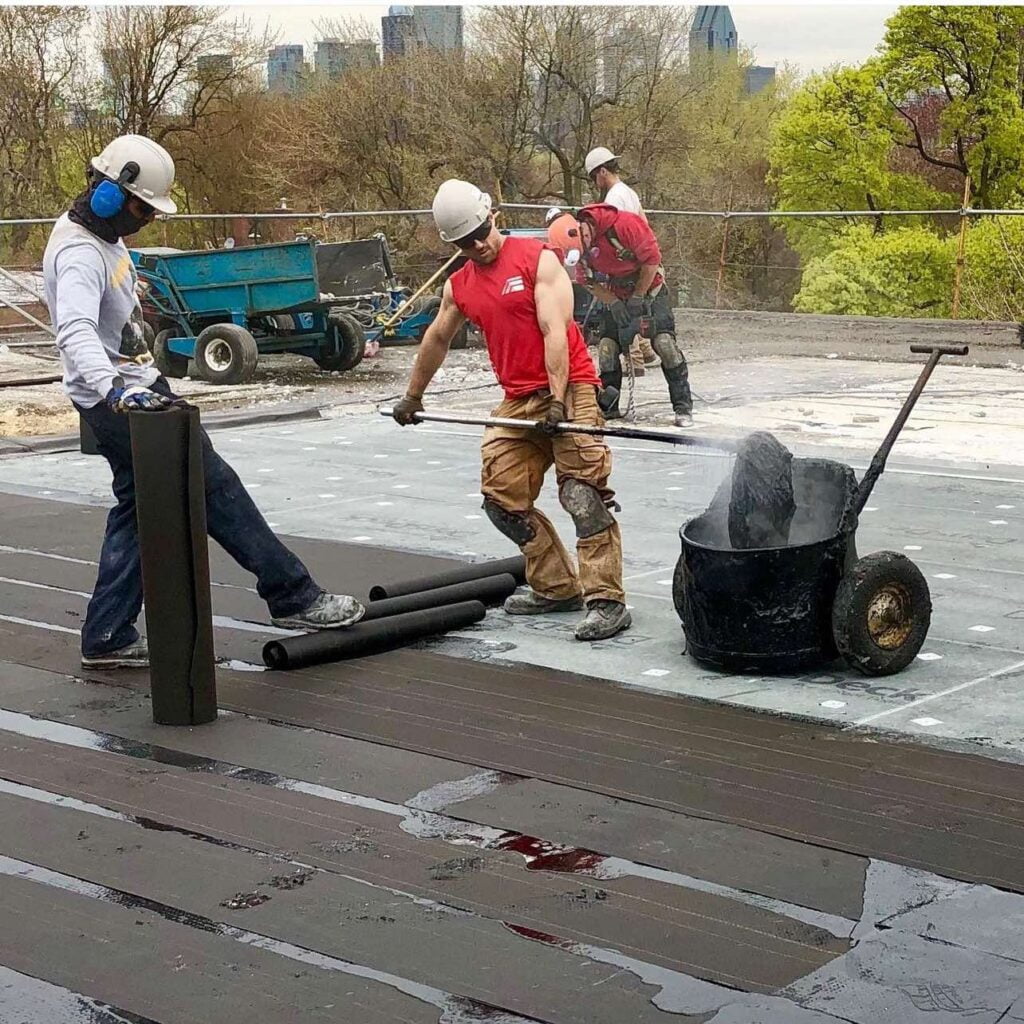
351, 344
225, 354
881, 613
169, 363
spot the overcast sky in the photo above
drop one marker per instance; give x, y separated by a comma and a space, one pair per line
809, 36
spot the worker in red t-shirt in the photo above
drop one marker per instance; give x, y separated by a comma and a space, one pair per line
623, 263
517, 291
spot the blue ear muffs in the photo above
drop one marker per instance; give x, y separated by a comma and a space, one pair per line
108, 197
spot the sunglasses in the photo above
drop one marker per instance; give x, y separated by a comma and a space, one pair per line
468, 241
140, 207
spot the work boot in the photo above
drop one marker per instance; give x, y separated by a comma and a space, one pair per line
604, 619
683, 419
608, 401
529, 602
328, 611
135, 655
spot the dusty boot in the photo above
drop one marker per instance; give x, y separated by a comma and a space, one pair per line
604, 619
531, 603
650, 357
683, 419
328, 611
134, 655
608, 402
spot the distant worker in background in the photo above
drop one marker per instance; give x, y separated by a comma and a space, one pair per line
517, 291
90, 284
602, 167
623, 259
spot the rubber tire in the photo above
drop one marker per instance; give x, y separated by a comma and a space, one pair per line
856, 590
351, 341
244, 354
170, 364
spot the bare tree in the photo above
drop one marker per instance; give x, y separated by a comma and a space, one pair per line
39, 54
169, 71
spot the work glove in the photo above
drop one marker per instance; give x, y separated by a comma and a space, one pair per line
404, 413
620, 314
555, 415
136, 398
638, 307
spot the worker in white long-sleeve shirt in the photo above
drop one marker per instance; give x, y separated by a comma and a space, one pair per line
90, 288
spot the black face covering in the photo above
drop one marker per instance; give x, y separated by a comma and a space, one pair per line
110, 229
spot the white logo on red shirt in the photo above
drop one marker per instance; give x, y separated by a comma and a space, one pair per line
513, 284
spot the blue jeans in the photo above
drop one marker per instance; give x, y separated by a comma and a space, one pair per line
232, 519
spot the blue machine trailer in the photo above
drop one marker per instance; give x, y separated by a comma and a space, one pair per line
223, 308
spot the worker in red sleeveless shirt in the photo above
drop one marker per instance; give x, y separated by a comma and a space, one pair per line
517, 291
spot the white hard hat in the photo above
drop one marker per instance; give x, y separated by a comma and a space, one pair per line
156, 169
597, 157
459, 209
553, 214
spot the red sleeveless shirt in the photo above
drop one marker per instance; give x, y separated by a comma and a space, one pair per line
499, 299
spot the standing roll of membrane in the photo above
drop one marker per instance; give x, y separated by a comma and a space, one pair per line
515, 567
369, 637
170, 499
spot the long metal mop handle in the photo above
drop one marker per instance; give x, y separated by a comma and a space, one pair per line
631, 433
874, 471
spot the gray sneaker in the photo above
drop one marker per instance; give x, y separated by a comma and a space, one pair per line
531, 603
135, 655
604, 619
684, 419
328, 611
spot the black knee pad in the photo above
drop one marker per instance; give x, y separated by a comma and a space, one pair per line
514, 525
608, 352
588, 510
668, 350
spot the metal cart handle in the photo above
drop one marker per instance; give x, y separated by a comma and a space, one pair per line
934, 353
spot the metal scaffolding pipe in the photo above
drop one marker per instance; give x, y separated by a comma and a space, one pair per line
714, 214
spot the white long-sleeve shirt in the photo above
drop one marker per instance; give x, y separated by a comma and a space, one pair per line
90, 289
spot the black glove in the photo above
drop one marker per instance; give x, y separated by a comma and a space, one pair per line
404, 413
637, 307
555, 415
135, 397
620, 314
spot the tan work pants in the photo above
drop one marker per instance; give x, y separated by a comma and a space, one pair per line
513, 466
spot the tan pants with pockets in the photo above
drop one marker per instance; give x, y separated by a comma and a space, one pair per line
513, 466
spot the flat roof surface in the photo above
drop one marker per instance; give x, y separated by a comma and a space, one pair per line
504, 824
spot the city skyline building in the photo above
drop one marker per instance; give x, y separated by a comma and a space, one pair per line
285, 67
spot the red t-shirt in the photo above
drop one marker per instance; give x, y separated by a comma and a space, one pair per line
499, 299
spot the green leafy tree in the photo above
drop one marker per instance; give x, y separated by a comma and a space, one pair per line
993, 280
972, 58
830, 151
904, 272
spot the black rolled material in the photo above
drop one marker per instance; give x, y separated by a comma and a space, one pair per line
170, 498
515, 566
489, 591
369, 637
